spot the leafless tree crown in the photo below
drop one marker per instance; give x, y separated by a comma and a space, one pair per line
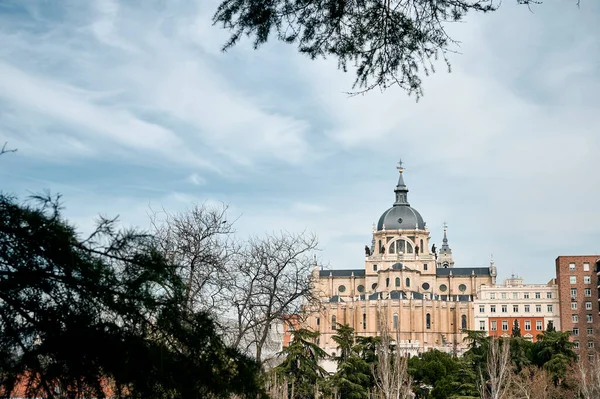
249, 286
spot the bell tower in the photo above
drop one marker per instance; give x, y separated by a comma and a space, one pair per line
445, 259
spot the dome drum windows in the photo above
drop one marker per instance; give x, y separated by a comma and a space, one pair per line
401, 247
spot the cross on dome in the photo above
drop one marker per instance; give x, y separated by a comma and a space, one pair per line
400, 166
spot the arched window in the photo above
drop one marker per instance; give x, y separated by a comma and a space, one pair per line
364, 321
333, 323
463, 320
395, 321
401, 247
428, 321
397, 281
422, 247
387, 282
407, 282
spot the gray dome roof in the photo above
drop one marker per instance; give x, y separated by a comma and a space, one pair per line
401, 217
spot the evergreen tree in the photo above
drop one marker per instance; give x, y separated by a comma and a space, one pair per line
516, 330
520, 353
102, 315
353, 377
390, 42
301, 364
554, 351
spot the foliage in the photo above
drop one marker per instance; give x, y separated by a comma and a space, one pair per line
301, 364
520, 353
439, 375
392, 42
553, 351
104, 315
494, 368
516, 330
353, 377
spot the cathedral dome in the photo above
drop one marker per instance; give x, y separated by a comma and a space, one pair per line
401, 216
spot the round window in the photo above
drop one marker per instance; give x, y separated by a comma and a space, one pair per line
374, 286
360, 288
425, 286
462, 288
342, 288
443, 287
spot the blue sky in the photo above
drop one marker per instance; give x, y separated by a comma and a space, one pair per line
123, 106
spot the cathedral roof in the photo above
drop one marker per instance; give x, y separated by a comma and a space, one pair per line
401, 216
342, 273
463, 271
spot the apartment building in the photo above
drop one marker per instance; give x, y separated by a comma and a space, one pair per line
533, 306
578, 290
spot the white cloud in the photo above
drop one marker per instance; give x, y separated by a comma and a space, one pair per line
146, 90
196, 179
308, 208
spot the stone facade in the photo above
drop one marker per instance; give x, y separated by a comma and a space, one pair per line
531, 305
406, 283
578, 287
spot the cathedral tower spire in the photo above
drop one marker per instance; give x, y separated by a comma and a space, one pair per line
401, 190
401, 216
445, 259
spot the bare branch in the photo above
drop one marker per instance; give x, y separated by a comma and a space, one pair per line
498, 369
271, 280
199, 242
588, 373
5, 151
391, 371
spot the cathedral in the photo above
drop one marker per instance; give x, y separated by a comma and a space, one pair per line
415, 289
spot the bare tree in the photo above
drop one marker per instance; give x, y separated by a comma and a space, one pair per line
588, 373
276, 387
498, 369
199, 243
533, 383
249, 286
270, 280
391, 372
